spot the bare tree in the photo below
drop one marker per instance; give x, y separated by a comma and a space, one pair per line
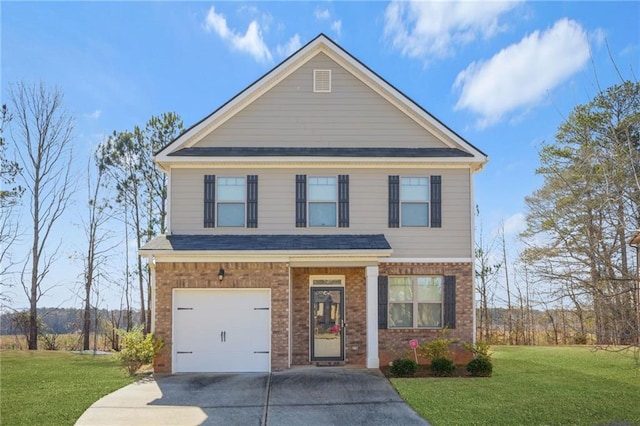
42, 133
98, 247
505, 268
486, 272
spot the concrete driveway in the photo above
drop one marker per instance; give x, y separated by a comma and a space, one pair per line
303, 396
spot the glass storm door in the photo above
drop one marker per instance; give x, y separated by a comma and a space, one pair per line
327, 323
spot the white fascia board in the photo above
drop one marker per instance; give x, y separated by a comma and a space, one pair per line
427, 260
321, 162
324, 256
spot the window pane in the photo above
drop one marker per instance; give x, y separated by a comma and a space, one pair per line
231, 214
231, 189
400, 315
322, 214
415, 214
429, 315
322, 188
430, 288
414, 189
400, 289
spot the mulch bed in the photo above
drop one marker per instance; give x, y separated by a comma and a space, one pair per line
424, 371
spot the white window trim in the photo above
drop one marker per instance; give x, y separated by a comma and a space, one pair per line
428, 202
309, 201
312, 278
218, 202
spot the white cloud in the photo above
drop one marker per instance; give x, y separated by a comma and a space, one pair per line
598, 36
515, 224
292, 45
95, 114
520, 75
321, 14
250, 42
432, 30
337, 27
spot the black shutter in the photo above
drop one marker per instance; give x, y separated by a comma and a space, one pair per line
436, 201
383, 291
209, 200
252, 201
394, 201
301, 201
450, 301
343, 201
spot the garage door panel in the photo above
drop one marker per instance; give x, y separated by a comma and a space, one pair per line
222, 330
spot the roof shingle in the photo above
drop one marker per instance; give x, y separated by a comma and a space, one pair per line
267, 242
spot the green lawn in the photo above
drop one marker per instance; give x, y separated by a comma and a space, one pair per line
534, 386
54, 388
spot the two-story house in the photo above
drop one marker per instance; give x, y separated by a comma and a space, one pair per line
318, 217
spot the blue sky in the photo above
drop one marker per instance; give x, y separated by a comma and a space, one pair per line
501, 74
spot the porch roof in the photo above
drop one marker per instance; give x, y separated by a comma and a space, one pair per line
271, 242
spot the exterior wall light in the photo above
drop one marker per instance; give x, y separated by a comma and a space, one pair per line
221, 274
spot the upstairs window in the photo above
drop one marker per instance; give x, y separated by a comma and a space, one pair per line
231, 201
322, 201
414, 201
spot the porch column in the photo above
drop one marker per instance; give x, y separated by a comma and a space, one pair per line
373, 361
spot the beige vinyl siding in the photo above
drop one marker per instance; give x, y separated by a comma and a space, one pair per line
291, 114
368, 208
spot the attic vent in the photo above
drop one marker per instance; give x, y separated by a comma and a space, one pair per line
322, 81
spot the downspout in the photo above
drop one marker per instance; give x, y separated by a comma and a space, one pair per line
152, 308
473, 254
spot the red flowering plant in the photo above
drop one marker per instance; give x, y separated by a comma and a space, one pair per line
335, 329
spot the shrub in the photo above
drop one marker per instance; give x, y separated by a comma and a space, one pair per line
480, 367
442, 366
580, 339
479, 350
404, 367
137, 349
436, 348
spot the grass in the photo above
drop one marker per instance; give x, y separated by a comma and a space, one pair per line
54, 388
534, 386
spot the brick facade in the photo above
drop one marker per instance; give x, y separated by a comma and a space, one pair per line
391, 343
237, 275
395, 343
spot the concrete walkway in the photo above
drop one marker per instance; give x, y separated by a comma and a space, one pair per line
304, 396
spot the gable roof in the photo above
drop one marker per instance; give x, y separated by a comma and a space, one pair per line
183, 144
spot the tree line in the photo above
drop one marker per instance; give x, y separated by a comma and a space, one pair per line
576, 263
38, 172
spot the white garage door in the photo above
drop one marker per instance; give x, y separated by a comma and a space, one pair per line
216, 330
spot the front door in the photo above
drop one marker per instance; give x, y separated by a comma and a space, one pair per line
327, 323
